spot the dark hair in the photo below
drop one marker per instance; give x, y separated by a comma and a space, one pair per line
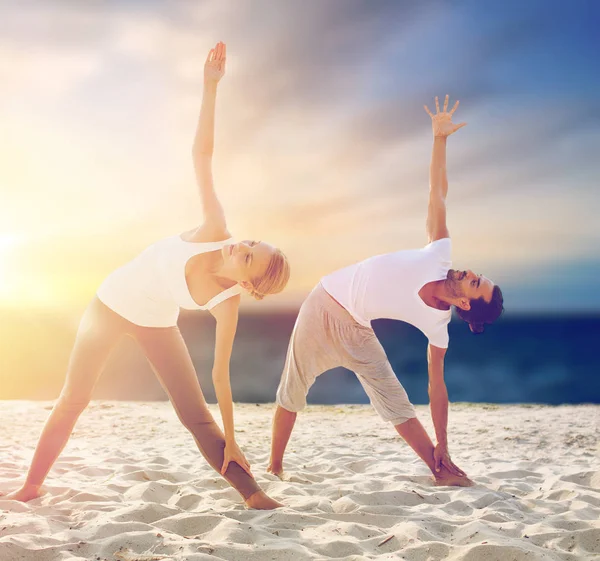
483, 312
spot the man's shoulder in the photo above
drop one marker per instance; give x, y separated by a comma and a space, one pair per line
441, 248
440, 242
438, 334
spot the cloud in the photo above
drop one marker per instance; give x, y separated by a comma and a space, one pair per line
555, 286
322, 144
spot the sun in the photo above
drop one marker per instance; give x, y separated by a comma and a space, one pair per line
7, 243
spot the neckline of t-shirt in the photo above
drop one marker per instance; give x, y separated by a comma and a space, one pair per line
449, 311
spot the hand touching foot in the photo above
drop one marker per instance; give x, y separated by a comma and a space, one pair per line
445, 477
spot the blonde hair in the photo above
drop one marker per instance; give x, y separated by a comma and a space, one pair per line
274, 278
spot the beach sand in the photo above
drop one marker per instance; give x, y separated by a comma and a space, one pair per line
131, 485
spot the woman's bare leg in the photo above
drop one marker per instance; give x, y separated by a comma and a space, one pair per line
99, 331
171, 361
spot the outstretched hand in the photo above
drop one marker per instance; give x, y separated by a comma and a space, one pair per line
442, 121
214, 67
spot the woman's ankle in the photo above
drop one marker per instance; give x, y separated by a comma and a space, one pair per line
260, 500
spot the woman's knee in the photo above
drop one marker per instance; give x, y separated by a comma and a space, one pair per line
210, 440
68, 404
199, 424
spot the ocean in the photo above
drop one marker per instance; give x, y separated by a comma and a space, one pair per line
520, 359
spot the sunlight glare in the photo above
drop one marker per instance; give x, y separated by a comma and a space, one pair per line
7, 277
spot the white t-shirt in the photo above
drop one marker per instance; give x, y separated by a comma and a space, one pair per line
387, 286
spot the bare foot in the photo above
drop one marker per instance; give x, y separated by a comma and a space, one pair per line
449, 479
453, 481
446, 478
24, 494
276, 469
261, 501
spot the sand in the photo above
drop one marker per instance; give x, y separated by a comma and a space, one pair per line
131, 486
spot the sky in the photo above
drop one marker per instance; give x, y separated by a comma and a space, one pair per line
322, 143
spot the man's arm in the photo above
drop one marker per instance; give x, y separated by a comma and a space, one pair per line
438, 187
438, 181
438, 402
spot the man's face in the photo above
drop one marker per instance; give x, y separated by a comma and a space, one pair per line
466, 284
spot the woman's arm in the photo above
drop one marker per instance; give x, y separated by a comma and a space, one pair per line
202, 151
226, 315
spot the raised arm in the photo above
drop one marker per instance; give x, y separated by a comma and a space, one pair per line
226, 315
438, 403
438, 180
202, 151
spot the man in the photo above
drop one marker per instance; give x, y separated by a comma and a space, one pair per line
416, 286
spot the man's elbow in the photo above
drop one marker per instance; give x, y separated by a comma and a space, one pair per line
437, 383
437, 386
436, 207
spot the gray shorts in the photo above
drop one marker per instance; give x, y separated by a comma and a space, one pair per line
326, 336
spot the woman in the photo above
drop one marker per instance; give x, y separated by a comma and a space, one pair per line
200, 269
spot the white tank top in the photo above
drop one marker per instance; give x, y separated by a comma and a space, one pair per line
388, 285
150, 290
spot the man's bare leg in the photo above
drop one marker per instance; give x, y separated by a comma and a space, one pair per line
415, 435
283, 424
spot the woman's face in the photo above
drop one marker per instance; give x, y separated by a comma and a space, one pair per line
246, 260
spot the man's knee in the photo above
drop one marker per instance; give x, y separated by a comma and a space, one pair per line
403, 421
396, 411
291, 398
287, 406
284, 415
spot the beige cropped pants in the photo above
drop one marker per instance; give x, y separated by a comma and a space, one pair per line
326, 336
